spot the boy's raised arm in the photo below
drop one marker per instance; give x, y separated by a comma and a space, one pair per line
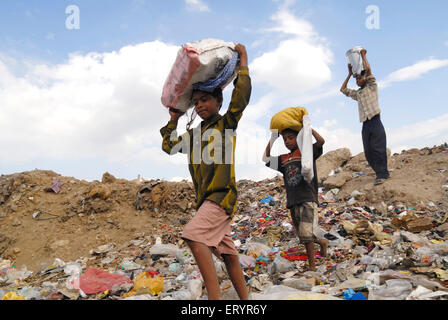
348, 92
241, 92
350, 73
267, 153
319, 140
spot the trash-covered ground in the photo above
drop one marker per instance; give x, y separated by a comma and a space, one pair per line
62, 238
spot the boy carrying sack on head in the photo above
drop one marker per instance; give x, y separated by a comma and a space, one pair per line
210, 148
302, 196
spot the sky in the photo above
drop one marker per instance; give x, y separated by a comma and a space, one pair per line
81, 81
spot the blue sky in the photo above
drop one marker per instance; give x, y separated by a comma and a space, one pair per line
85, 101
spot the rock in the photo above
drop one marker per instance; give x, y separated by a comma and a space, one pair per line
443, 227
59, 244
108, 178
16, 222
298, 284
337, 180
419, 225
332, 160
100, 191
103, 249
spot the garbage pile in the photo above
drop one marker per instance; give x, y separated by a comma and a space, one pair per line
384, 251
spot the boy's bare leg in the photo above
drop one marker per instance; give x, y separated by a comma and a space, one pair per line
323, 247
323, 243
236, 275
204, 259
310, 253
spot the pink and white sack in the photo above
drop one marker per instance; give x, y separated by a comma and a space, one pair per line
196, 62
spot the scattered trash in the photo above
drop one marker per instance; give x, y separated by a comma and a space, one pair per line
146, 283
378, 250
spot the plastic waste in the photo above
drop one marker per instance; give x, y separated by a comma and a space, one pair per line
13, 296
129, 265
14, 274
30, 293
73, 270
395, 289
183, 294
95, 281
350, 294
422, 293
380, 262
195, 288
280, 265
353, 283
257, 246
267, 200
183, 256
280, 292
246, 261
164, 250
298, 284
175, 268
144, 283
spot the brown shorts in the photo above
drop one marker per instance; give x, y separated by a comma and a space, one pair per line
211, 226
304, 217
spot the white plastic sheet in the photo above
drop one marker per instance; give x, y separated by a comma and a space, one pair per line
305, 143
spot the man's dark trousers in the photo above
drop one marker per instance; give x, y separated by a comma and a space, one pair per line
375, 146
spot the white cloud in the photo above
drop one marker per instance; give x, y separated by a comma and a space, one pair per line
300, 63
95, 106
197, 5
413, 72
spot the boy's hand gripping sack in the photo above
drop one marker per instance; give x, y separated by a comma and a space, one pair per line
199, 62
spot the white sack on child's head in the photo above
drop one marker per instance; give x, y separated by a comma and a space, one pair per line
305, 143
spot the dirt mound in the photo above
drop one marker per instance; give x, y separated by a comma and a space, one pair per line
417, 176
45, 216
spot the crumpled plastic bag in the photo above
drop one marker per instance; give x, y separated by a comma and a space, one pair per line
281, 292
95, 281
144, 284
12, 296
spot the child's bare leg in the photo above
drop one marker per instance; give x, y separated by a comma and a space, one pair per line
323, 247
236, 275
310, 253
204, 259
